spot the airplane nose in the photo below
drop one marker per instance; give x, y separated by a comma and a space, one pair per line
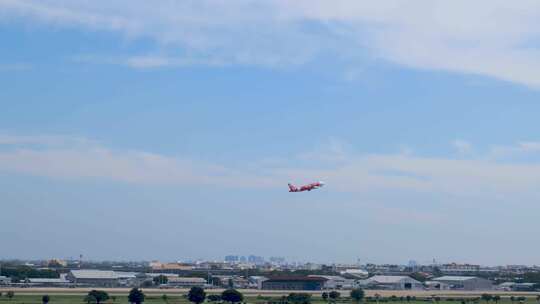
322, 183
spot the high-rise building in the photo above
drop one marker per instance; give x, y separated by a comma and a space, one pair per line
255, 259
231, 259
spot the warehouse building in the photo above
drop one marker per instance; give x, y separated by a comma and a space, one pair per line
294, 283
5, 280
395, 282
434, 285
465, 282
101, 278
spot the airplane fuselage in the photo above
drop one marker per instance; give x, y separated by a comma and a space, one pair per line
307, 187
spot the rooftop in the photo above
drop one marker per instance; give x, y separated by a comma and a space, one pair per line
47, 280
94, 274
329, 277
186, 280
389, 279
454, 278
295, 278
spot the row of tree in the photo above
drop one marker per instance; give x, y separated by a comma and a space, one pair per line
305, 298
21, 273
196, 295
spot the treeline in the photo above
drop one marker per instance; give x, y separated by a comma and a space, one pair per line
20, 273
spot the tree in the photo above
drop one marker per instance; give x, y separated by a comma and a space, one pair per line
537, 298
325, 296
97, 296
299, 298
357, 294
10, 294
165, 298
437, 272
214, 298
113, 298
161, 279
496, 298
487, 297
45, 299
89, 299
334, 295
408, 299
0, 294
419, 276
136, 296
196, 295
232, 296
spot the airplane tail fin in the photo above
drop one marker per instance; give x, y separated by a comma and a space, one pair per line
292, 188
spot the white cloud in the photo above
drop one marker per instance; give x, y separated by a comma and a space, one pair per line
462, 147
494, 38
78, 158
151, 61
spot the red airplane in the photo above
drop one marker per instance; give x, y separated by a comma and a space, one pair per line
308, 187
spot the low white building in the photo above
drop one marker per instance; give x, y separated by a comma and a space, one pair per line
395, 282
186, 282
256, 281
455, 268
336, 282
47, 282
5, 280
126, 278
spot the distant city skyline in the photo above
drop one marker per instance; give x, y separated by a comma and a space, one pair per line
265, 260
133, 130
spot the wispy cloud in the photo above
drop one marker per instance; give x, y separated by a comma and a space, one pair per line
521, 150
79, 158
442, 35
43, 140
71, 158
462, 147
152, 61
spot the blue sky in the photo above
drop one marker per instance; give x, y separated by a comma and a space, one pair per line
180, 124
